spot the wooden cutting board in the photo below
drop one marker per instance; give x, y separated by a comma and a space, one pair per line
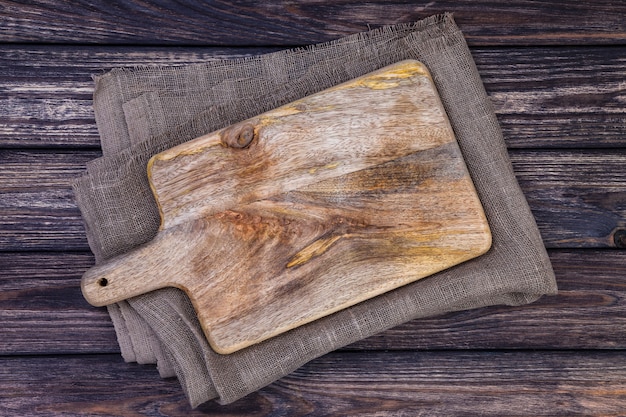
305, 210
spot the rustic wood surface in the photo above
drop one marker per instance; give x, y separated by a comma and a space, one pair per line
246, 23
555, 73
406, 384
545, 97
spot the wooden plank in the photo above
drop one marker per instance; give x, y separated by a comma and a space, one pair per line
544, 97
42, 311
484, 22
37, 208
557, 97
395, 384
578, 197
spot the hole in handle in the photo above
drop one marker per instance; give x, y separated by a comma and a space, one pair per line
103, 282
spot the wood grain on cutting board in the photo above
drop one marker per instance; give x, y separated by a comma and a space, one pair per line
307, 209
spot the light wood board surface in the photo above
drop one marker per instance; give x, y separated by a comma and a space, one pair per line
307, 209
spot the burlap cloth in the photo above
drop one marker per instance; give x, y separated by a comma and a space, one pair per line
142, 111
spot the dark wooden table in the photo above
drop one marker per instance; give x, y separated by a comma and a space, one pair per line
556, 73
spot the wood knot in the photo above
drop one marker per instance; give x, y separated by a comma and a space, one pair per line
238, 136
619, 238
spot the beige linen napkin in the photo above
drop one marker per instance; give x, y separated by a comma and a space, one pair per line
143, 111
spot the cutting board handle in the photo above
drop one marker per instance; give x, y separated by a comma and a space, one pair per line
125, 276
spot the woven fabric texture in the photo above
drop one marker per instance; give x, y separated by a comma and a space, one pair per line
143, 111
